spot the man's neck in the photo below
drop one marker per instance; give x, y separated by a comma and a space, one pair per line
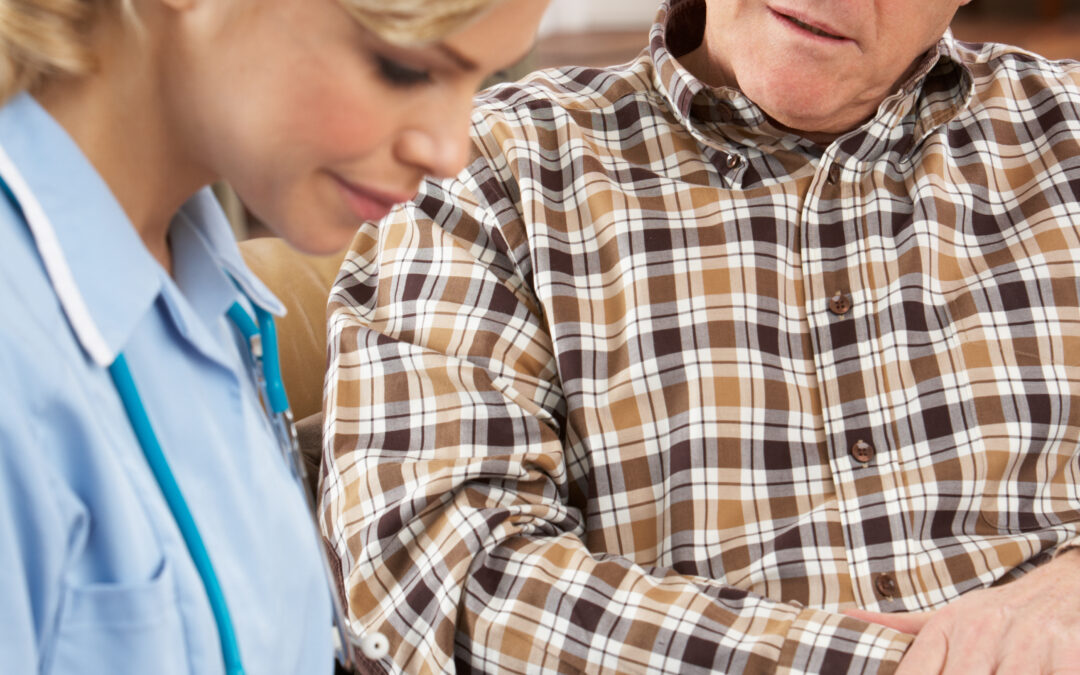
700, 64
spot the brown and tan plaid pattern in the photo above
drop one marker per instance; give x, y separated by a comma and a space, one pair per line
655, 387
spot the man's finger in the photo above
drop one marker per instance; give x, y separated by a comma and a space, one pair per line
1018, 663
1066, 654
970, 654
905, 622
926, 656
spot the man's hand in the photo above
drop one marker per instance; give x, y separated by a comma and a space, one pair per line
1031, 625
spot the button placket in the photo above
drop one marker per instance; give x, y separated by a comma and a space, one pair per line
841, 335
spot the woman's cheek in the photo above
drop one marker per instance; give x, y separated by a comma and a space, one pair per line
339, 122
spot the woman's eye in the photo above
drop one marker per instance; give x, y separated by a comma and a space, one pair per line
401, 75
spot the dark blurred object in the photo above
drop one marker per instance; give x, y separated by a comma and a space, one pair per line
514, 72
1047, 27
1045, 10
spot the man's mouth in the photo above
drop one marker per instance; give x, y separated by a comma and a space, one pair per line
811, 29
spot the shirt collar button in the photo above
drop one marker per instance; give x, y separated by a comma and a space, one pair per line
834, 174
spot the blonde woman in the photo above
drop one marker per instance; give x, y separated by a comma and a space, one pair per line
148, 521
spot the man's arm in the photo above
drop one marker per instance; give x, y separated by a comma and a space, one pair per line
451, 497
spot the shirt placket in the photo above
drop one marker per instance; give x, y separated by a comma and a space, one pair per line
848, 342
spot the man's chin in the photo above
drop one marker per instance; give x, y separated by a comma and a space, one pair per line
819, 110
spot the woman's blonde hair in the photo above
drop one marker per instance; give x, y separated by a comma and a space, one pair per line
46, 38
39, 38
415, 22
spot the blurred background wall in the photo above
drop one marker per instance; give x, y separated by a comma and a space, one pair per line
585, 15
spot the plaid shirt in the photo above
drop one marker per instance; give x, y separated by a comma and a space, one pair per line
655, 386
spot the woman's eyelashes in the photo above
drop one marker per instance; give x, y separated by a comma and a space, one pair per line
400, 75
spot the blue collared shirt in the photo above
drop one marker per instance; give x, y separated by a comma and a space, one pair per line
94, 575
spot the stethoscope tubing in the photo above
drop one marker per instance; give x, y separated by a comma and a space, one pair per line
263, 350
159, 466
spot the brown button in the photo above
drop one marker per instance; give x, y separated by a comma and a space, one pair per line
885, 585
862, 451
733, 161
834, 174
839, 304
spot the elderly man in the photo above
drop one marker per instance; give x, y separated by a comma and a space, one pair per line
760, 353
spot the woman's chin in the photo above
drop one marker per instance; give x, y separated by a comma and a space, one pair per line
321, 244
322, 239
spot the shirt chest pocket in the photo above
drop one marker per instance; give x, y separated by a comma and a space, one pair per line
131, 627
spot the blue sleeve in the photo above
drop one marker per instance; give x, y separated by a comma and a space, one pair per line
34, 527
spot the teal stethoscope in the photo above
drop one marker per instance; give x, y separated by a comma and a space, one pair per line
261, 340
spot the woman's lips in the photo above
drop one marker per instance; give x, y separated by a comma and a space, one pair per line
369, 203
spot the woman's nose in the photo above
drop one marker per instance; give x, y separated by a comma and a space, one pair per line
438, 140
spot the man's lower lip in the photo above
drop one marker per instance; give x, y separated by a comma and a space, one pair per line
825, 39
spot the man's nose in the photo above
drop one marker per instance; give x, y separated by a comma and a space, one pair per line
437, 140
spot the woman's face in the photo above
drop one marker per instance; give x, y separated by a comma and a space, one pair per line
319, 124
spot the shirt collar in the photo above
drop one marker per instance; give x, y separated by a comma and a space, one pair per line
203, 225
937, 90
207, 266
115, 278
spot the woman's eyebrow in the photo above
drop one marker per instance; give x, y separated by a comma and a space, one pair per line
467, 64
457, 57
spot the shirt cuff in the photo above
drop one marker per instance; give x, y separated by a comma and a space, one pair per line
823, 642
1068, 545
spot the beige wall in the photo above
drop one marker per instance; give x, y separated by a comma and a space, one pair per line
572, 16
